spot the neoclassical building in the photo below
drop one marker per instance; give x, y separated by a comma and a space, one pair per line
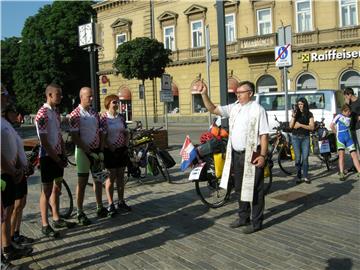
325, 49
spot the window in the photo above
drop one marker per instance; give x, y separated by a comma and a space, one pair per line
197, 34
306, 82
169, 38
351, 78
264, 21
198, 104
120, 39
348, 12
230, 28
303, 16
266, 83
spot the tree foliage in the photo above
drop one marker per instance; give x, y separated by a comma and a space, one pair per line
49, 52
9, 56
142, 58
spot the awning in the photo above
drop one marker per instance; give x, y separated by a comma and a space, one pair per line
124, 93
233, 84
196, 86
175, 90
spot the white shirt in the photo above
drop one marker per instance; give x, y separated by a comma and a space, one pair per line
240, 129
115, 128
87, 123
47, 121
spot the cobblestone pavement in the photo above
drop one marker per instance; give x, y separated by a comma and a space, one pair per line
313, 226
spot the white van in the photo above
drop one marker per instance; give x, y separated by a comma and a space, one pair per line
322, 103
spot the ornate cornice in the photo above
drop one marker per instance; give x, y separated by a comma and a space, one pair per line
105, 5
168, 15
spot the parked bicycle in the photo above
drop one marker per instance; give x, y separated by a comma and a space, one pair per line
143, 153
66, 204
323, 144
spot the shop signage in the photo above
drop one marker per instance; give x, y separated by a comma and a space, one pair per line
329, 56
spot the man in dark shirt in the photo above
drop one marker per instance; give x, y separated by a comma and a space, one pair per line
354, 103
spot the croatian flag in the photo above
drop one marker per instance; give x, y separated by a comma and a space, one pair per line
188, 153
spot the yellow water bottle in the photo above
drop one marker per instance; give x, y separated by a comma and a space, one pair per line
266, 171
292, 152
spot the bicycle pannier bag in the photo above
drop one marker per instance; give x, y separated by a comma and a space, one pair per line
169, 162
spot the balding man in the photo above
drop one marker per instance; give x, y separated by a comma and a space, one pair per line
85, 133
52, 161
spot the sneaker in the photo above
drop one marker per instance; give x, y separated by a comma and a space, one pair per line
49, 232
238, 223
14, 253
111, 210
123, 206
341, 176
250, 229
307, 180
58, 224
298, 175
83, 219
102, 212
22, 240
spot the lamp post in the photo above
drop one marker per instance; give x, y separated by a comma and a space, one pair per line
87, 41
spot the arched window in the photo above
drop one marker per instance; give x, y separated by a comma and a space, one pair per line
265, 84
125, 106
306, 82
350, 78
173, 107
198, 104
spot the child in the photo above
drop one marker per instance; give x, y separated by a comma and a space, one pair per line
341, 126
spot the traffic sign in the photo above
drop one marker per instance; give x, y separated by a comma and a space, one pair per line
166, 96
166, 82
283, 57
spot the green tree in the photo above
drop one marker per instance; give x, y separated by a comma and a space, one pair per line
49, 52
142, 58
9, 56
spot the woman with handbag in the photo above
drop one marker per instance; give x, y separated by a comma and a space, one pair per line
116, 158
302, 122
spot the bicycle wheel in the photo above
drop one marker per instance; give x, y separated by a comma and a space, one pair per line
331, 159
286, 162
211, 194
66, 203
70, 152
162, 168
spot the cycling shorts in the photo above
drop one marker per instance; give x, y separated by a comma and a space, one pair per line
83, 163
344, 141
21, 189
8, 195
50, 170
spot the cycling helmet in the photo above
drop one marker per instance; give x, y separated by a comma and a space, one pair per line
206, 136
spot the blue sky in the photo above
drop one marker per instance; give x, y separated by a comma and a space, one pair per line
14, 14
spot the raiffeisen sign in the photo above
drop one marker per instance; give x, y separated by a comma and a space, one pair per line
329, 56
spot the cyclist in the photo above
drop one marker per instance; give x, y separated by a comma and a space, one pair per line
249, 123
85, 132
21, 188
12, 169
341, 127
52, 161
116, 138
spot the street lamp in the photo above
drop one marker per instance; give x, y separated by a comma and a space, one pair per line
88, 42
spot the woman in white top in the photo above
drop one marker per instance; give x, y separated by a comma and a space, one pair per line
116, 138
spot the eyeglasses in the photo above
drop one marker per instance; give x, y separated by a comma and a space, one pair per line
241, 92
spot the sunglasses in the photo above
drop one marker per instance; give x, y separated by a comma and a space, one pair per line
115, 102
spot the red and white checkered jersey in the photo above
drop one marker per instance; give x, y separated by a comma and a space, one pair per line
87, 123
8, 142
47, 121
115, 128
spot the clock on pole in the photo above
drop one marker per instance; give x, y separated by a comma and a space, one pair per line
86, 34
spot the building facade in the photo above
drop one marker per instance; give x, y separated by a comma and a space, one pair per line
325, 49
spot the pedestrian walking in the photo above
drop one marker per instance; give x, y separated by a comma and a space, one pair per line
301, 123
246, 153
85, 133
52, 160
354, 103
116, 138
341, 127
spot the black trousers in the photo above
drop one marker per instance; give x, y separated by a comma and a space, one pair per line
258, 203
